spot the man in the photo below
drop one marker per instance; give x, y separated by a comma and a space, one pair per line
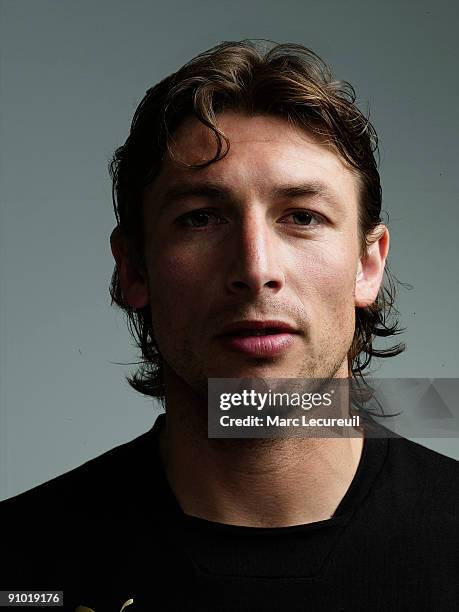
247, 199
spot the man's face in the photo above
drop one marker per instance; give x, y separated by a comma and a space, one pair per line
255, 243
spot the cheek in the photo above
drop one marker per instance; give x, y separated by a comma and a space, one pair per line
176, 282
329, 279
328, 290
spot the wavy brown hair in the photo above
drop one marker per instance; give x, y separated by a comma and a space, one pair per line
286, 80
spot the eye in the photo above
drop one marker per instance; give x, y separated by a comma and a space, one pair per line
306, 218
196, 215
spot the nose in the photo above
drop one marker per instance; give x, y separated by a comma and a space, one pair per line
256, 257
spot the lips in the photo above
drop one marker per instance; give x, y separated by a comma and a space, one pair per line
258, 328
264, 345
258, 338
244, 333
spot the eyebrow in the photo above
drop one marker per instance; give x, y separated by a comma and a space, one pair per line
215, 191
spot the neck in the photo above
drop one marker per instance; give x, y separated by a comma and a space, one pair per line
252, 482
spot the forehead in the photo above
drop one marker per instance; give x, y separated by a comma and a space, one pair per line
264, 150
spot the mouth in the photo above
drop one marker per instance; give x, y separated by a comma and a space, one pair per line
267, 342
245, 333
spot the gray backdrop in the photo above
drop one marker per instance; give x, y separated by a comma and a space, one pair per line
72, 74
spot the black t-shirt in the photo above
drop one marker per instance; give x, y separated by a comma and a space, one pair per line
111, 530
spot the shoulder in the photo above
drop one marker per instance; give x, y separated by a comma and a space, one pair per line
425, 461
422, 480
56, 530
95, 483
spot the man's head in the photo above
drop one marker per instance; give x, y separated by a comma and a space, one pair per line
282, 223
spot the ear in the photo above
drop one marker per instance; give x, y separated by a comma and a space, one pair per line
133, 284
370, 268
